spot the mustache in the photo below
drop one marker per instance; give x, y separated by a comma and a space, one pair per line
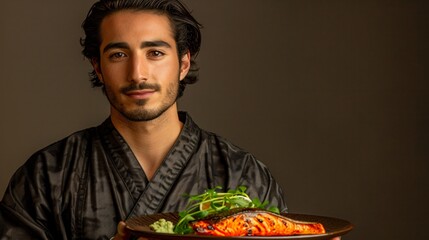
141, 86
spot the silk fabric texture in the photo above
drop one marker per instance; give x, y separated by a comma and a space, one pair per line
82, 186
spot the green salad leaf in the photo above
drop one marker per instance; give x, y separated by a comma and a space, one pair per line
212, 201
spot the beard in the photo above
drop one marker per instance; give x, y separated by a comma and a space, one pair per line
139, 112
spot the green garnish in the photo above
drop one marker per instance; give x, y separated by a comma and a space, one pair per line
211, 201
162, 226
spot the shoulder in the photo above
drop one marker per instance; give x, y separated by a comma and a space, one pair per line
241, 163
65, 147
211, 143
227, 149
62, 156
220, 150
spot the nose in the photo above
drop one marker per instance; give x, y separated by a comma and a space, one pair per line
138, 69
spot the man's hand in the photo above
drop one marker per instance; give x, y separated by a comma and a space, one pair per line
121, 232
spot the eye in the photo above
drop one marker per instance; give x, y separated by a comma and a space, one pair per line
117, 55
155, 54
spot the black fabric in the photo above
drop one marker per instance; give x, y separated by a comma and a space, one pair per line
83, 185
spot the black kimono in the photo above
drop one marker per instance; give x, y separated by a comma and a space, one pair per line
83, 185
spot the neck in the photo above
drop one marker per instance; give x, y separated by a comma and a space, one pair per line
151, 140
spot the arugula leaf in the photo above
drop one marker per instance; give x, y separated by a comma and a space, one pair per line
212, 201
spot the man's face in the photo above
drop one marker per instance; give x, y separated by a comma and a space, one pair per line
139, 64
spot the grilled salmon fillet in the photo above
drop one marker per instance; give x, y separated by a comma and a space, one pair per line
253, 222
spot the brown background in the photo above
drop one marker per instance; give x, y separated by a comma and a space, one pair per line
331, 95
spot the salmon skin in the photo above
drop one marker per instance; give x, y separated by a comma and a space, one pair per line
253, 222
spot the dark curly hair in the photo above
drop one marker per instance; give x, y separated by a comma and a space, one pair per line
186, 31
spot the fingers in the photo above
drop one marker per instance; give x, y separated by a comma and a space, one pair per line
121, 233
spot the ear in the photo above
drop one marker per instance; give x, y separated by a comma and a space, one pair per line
97, 68
185, 64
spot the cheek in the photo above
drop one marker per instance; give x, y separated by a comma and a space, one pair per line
112, 72
167, 70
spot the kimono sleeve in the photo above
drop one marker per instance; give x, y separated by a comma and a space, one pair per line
21, 209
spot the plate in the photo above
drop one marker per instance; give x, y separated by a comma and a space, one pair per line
139, 227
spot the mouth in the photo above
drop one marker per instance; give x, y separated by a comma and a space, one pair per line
140, 94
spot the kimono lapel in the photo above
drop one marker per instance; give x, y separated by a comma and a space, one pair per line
123, 161
152, 198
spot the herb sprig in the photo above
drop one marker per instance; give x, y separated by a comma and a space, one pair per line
212, 201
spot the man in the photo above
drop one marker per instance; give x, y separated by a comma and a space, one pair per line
146, 155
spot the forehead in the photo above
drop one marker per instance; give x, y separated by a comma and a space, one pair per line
131, 24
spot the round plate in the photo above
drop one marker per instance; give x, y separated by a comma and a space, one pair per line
139, 227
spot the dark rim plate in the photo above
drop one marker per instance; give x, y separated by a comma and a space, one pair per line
139, 227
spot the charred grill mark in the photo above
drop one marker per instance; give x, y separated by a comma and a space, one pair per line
271, 222
284, 223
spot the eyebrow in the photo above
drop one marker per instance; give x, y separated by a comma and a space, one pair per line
145, 44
